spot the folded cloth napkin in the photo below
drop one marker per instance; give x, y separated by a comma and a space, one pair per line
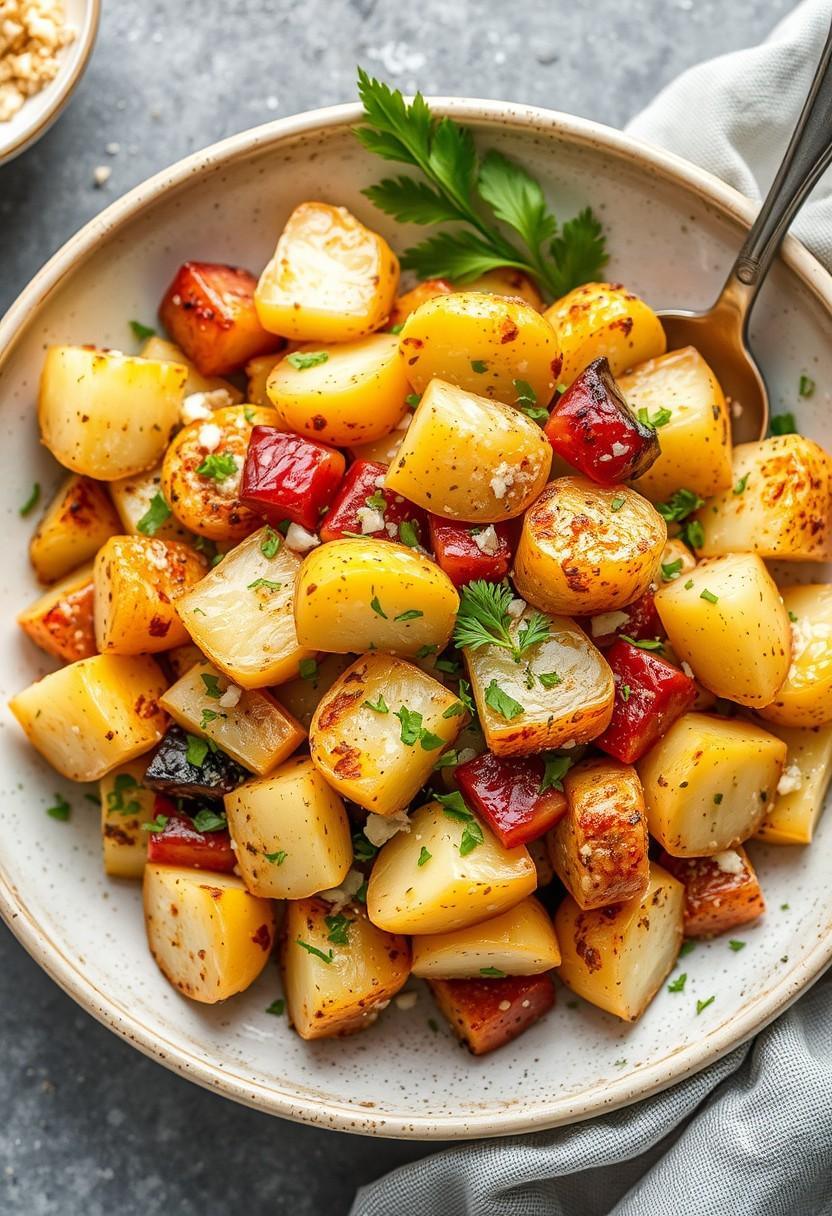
752, 1134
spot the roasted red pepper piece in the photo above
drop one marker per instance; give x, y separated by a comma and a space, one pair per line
486, 1014
592, 427
363, 490
180, 844
650, 694
458, 554
288, 477
643, 623
505, 791
209, 312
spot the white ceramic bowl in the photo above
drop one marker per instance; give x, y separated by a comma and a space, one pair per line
38, 113
672, 230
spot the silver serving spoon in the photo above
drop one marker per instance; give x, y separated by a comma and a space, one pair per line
721, 333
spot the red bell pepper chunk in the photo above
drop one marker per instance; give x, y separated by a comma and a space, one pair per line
650, 694
288, 477
592, 427
643, 623
458, 554
506, 793
179, 843
488, 1013
363, 491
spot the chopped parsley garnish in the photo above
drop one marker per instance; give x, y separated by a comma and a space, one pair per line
32, 501
429, 741
212, 686
276, 1007
549, 679
411, 722
301, 360
206, 820
196, 751
686, 948
308, 669
270, 543
218, 466
793, 617
409, 533
493, 973
363, 849
783, 424
642, 643
660, 418
412, 400
326, 958
453, 711
705, 594
454, 806
471, 837
265, 583
156, 825
142, 332
527, 402
617, 503
115, 797
464, 693
339, 927
806, 387
248, 413
276, 858
484, 620
379, 706
555, 769
412, 614
376, 501
448, 759
739, 488
209, 716
671, 570
424, 651
682, 504
736, 945
701, 1005
377, 608
625, 692
424, 856
678, 985
688, 584
157, 514
60, 809
479, 366
498, 699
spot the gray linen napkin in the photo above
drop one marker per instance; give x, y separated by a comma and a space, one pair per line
752, 1134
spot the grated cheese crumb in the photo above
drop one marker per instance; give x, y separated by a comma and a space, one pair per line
619, 449
231, 696
608, 622
487, 541
504, 478
209, 437
687, 669
729, 862
504, 1006
370, 520
198, 407
300, 540
380, 828
791, 780
406, 1000
341, 895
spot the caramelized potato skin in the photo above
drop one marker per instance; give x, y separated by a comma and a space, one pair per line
478, 341
61, 621
303, 695
599, 848
137, 581
604, 319
578, 556
209, 311
805, 696
466, 457
721, 892
487, 1014
77, 522
346, 994
330, 280
202, 503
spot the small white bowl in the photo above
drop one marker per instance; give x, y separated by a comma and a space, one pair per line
37, 113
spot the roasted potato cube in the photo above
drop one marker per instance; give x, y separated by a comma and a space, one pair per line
380, 729
465, 457
182, 658
240, 615
721, 892
330, 280
409, 301
695, 439
137, 581
209, 311
107, 415
202, 470
91, 716
358, 594
257, 373
462, 881
587, 548
323, 393
61, 621
142, 507
383, 450
506, 281
618, 957
802, 788
248, 724
726, 620
126, 803
599, 847
570, 699
480, 341
604, 319
708, 782
169, 352
521, 941
302, 696
339, 971
805, 697
76, 524
488, 1013
210, 937
291, 831
778, 504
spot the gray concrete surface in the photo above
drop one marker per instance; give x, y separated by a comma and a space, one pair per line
88, 1127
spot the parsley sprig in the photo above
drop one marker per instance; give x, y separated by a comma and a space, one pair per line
484, 620
461, 188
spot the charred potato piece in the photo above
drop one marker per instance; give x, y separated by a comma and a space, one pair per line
488, 1013
721, 892
61, 621
137, 580
604, 319
77, 522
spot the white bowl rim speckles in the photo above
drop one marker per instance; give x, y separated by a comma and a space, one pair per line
23, 908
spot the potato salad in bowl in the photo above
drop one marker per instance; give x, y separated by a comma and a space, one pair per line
424, 628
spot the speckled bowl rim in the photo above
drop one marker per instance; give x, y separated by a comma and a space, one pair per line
67, 79
294, 1103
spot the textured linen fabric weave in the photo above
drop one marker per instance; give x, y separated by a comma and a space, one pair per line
752, 1134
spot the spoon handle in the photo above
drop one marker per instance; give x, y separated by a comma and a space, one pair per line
807, 156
